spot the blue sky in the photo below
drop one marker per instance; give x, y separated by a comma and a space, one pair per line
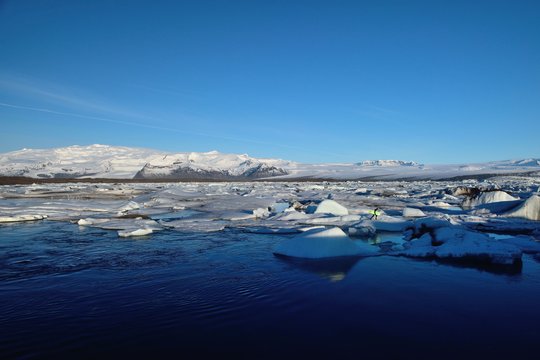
311, 81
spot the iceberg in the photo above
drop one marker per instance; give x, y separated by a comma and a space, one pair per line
440, 239
331, 207
530, 209
487, 197
325, 243
411, 212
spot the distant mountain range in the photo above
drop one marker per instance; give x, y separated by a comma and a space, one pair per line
116, 162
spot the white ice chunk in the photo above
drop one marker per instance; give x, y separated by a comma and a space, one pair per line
20, 218
261, 213
411, 212
331, 207
317, 244
488, 197
138, 232
91, 221
121, 224
389, 223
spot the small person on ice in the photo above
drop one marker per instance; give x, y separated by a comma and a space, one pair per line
375, 213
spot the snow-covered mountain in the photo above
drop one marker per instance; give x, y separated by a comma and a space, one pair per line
103, 161
211, 165
94, 161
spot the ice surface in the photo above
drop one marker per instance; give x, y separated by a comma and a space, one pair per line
411, 212
21, 218
364, 229
460, 243
390, 223
317, 244
285, 210
527, 244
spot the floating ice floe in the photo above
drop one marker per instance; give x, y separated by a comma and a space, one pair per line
125, 225
527, 244
390, 223
323, 243
202, 226
138, 232
21, 218
331, 207
91, 221
412, 212
363, 229
436, 238
504, 225
530, 209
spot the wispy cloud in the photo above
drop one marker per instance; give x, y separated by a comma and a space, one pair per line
60, 100
154, 127
56, 94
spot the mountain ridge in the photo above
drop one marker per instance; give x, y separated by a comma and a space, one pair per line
120, 162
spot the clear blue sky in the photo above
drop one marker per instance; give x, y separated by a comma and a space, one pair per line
311, 81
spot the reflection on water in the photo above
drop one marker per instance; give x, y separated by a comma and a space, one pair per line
386, 238
334, 269
71, 293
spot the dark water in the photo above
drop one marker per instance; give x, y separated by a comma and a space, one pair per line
70, 292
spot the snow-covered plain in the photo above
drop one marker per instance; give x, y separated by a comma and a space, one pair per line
315, 219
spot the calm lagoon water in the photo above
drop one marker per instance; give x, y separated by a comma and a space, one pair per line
71, 292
